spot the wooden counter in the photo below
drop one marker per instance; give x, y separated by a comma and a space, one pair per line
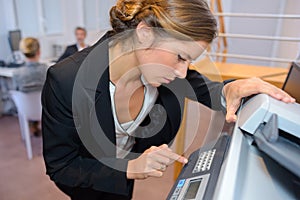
222, 71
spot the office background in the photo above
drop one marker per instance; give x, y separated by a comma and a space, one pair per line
53, 23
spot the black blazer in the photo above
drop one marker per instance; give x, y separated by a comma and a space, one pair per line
70, 50
68, 125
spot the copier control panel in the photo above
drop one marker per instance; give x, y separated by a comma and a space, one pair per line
199, 176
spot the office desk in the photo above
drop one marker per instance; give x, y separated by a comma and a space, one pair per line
6, 104
6, 72
219, 71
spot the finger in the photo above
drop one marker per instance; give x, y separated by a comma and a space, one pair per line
165, 151
172, 156
283, 96
157, 157
276, 93
162, 156
164, 147
141, 176
230, 114
232, 107
158, 166
231, 118
155, 173
155, 148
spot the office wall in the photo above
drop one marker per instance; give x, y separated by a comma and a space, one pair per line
72, 16
6, 23
253, 26
290, 28
3, 42
263, 27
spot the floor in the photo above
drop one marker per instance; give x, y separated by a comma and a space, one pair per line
22, 179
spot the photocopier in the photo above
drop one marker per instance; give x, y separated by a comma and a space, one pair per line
259, 159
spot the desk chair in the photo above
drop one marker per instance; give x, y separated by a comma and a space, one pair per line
29, 108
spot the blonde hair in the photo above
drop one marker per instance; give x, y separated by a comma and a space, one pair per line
29, 47
192, 18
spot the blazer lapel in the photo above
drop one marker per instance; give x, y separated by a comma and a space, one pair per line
99, 67
103, 108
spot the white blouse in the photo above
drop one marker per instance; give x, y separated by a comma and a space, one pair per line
125, 131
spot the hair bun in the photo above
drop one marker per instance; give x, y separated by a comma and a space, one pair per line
127, 9
126, 13
122, 15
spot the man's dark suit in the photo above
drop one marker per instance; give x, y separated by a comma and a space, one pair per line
70, 50
69, 162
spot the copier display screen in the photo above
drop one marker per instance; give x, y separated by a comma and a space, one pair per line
192, 189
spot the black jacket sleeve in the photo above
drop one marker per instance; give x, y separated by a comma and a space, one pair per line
67, 161
205, 91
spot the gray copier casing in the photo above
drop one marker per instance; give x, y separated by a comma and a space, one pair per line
261, 107
247, 172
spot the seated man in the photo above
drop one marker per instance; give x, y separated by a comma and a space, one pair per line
32, 75
80, 34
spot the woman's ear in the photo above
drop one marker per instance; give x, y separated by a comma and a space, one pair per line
144, 34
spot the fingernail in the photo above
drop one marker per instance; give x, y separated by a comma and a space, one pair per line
234, 118
293, 99
227, 118
185, 161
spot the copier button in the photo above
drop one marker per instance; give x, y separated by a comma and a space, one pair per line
180, 183
177, 191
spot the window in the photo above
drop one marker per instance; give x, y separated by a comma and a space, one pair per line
27, 16
104, 9
96, 14
90, 14
52, 13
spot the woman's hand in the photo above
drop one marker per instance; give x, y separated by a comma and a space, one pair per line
236, 90
153, 162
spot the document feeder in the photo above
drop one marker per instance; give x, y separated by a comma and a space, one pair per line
275, 127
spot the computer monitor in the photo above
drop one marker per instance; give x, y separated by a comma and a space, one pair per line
292, 81
14, 38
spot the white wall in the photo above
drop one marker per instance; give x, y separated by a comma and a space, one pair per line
7, 22
72, 16
290, 28
253, 26
264, 27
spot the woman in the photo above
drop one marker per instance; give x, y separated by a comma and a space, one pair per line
32, 75
99, 104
